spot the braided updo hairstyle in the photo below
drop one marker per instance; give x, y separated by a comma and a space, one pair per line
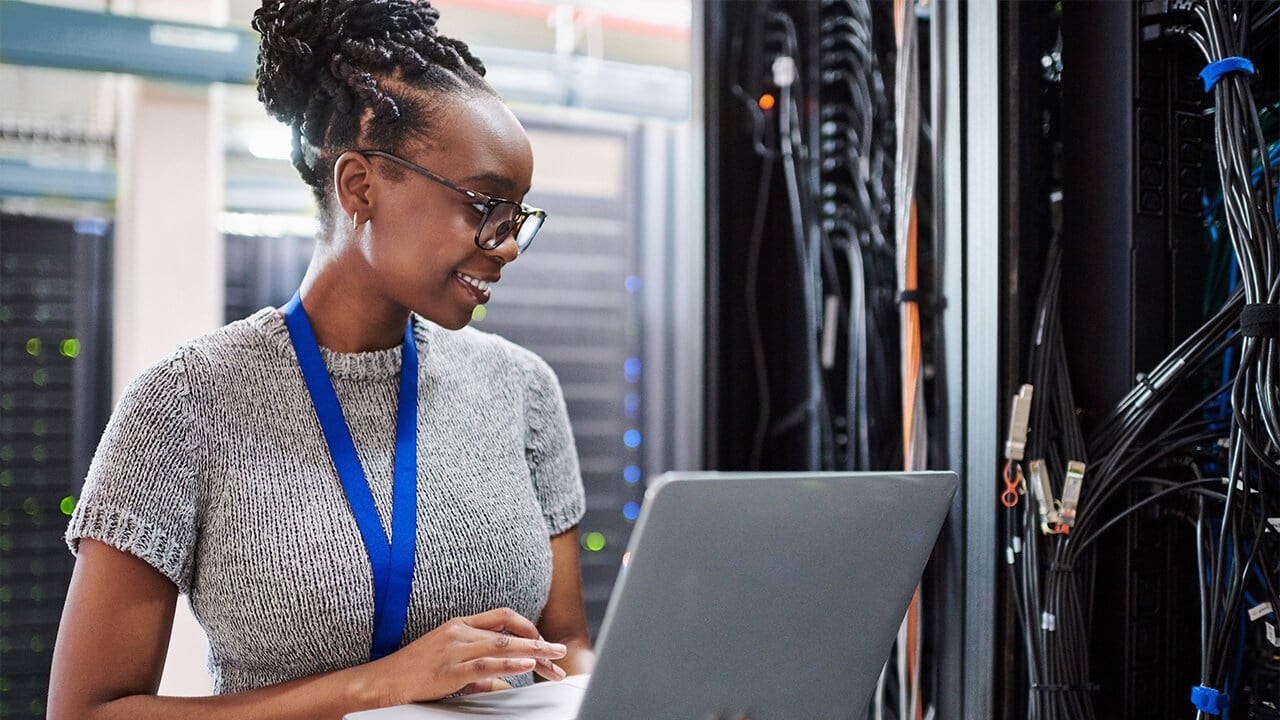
348, 74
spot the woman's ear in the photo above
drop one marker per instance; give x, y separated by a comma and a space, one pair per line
353, 184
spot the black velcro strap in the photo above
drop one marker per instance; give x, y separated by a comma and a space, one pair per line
1260, 320
926, 300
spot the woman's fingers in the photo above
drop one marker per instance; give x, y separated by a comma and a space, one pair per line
487, 685
483, 668
549, 670
472, 654
511, 646
505, 620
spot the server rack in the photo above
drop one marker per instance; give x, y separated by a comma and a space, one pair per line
797, 384
1104, 105
55, 371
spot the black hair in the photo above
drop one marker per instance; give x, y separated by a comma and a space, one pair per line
344, 74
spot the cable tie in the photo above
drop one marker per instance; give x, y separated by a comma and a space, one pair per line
1260, 320
1208, 700
1214, 71
928, 301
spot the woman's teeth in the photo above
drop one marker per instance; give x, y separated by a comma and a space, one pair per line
477, 284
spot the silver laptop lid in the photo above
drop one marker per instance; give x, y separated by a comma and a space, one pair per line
774, 595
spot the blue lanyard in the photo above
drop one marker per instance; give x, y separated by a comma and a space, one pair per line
392, 562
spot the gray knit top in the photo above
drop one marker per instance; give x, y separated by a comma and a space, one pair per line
214, 470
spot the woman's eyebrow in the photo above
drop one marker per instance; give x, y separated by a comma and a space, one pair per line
490, 179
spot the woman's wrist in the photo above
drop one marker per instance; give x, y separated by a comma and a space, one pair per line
370, 686
580, 659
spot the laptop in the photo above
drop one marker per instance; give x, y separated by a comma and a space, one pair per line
760, 595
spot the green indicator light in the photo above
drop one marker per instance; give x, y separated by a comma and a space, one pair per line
68, 505
70, 348
30, 507
33, 346
479, 313
594, 541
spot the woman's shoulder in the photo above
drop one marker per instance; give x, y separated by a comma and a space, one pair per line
243, 342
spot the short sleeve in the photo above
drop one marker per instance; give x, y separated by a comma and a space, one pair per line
140, 495
550, 449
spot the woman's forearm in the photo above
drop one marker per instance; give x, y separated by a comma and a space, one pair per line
329, 695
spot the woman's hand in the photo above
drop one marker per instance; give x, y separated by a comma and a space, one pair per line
466, 655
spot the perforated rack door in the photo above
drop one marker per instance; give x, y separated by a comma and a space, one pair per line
54, 397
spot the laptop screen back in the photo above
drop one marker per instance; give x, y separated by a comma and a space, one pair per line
763, 595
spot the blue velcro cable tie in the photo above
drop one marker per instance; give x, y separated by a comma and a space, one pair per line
1208, 700
1214, 71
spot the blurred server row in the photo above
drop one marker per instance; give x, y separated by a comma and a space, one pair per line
55, 350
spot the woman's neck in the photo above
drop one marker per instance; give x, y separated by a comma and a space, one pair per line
346, 315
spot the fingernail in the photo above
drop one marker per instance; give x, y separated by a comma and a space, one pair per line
559, 647
559, 671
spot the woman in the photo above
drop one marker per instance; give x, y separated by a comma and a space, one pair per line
365, 507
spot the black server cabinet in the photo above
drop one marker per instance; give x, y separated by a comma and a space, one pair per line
55, 396
761, 411
1136, 160
800, 153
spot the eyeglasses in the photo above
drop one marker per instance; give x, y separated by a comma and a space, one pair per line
500, 218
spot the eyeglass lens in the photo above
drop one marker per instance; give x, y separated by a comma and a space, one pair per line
506, 218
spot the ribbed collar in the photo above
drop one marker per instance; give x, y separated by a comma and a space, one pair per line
375, 365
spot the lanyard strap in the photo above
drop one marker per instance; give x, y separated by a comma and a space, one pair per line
391, 562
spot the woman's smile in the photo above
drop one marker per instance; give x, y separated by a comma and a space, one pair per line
478, 289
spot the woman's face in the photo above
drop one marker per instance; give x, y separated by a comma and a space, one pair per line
420, 240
